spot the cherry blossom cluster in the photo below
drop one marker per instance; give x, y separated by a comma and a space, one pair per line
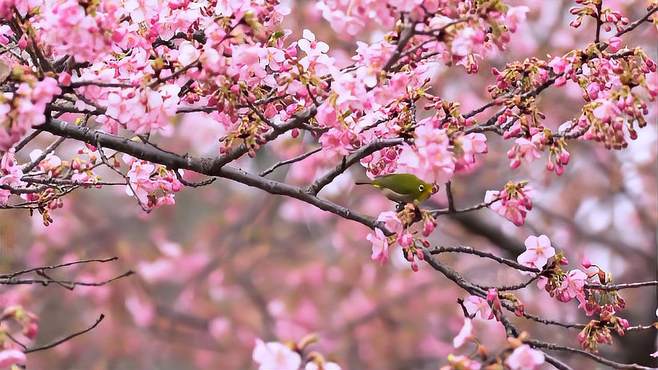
152, 185
30, 180
404, 228
608, 17
573, 284
517, 355
610, 77
475, 34
16, 326
233, 64
541, 258
512, 202
24, 107
125, 75
290, 356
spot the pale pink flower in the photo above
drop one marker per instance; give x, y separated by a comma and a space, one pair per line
572, 285
558, 65
464, 42
338, 140
310, 46
325, 366
326, 115
379, 246
9, 357
477, 305
372, 58
464, 334
139, 178
538, 251
187, 53
219, 327
461, 363
405, 239
606, 110
468, 146
430, 157
275, 356
142, 311
516, 15
614, 44
523, 149
391, 221
514, 209
49, 163
525, 358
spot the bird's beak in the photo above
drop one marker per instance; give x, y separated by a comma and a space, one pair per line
435, 188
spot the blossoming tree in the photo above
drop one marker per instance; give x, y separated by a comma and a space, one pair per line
135, 95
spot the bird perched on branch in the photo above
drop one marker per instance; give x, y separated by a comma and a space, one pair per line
402, 187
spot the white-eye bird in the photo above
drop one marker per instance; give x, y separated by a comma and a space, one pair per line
402, 187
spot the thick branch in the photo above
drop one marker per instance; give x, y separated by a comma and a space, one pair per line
206, 166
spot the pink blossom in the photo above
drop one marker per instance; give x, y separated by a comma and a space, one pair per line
430, 157
187, 53
475, 305
338, 140
391, 221
466, 147
464, 42
405, 239
325, 366
275, 356
593, 90
559, 65
310, 46
614, 44
142, 310
523, 149
572, 285
461, 363
49, 163
538, 251
372, 58
516, 15
140, 182
326, 115
9, 357
429, 224
606, 110
525, 358
379, 243
464, 334
30, 101
513, 202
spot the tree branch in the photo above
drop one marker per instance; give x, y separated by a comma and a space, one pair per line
67, 338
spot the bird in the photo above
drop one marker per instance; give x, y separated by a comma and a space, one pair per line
402, 187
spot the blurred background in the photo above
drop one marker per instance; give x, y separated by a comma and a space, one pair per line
228, 264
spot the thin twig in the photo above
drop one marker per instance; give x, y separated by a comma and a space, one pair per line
298, 158
67, 338
52, 267
471, 250
451, 199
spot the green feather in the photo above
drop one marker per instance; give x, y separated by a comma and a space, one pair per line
403, 187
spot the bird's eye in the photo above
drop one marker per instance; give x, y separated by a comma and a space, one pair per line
421, 187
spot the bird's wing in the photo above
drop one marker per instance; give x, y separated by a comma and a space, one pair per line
397, 197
